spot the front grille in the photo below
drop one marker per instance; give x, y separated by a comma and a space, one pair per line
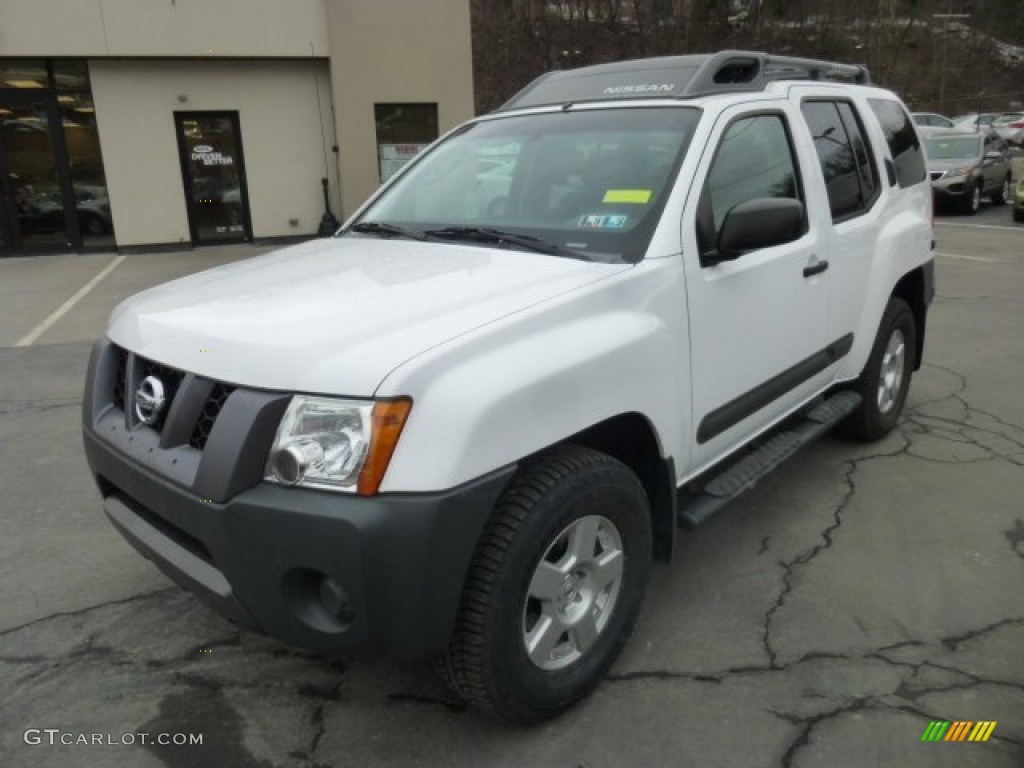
120, 376
172, 380
169, 377
211, 409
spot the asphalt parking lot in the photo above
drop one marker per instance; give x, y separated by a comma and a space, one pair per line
823, 620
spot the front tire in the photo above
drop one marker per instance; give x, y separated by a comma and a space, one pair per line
1002, 195
972, 204
885, 381
554, 588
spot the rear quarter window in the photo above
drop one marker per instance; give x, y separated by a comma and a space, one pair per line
907, 156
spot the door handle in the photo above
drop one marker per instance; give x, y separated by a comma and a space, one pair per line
816, 269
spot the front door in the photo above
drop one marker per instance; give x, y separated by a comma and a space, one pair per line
213, 174
759, 323
37, 208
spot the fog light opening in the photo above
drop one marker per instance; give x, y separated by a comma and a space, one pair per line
334, 600
318, 600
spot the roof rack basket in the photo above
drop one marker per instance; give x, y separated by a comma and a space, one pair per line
754, 69
679, 77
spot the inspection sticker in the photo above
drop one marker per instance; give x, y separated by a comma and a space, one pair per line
640, 196
602, 221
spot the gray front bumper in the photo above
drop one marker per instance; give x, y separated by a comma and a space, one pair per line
325, 571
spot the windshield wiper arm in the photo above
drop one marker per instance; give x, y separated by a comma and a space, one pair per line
489, 235
383, 228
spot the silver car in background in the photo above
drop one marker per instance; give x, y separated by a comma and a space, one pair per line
964, 168
930, 123
1010, 127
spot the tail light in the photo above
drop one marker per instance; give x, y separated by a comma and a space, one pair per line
1017, 124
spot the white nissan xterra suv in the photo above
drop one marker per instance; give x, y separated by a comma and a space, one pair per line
466, 425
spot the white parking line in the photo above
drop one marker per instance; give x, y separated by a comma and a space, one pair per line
64, 308
977, 226
969, 258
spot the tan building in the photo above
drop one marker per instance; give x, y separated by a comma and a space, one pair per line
146, 123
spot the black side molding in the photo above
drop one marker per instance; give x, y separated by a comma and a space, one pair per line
749, 403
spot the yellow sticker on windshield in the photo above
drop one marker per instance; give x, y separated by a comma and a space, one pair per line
640, 196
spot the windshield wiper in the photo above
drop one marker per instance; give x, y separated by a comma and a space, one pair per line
488, 235
383, 228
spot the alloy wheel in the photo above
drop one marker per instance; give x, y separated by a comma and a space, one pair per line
573, 592
891, 374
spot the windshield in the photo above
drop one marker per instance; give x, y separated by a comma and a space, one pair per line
955, 148
591, 182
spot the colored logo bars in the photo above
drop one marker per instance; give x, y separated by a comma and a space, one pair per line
960, 730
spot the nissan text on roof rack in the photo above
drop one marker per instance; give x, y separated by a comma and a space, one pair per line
467, 425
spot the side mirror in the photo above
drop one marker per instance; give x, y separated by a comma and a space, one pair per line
759, 223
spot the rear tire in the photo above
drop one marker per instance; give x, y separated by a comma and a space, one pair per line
554, 587
885, 381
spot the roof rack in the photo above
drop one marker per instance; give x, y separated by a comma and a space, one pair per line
678, 77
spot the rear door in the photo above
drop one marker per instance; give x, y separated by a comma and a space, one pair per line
847, 176
759, 323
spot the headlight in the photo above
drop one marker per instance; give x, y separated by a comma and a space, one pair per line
338, 445
957, 172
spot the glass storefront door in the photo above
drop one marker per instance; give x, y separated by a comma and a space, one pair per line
34, 194
6, 246
53, 191
213, 173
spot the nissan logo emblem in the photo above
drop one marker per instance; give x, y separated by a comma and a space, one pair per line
149, 400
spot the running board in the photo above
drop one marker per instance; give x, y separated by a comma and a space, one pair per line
744, 474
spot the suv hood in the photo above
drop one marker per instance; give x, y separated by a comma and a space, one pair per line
335, 316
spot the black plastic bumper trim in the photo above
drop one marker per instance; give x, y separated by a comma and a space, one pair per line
401, 559
180, 565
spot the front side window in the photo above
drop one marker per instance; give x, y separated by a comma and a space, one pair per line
592, 182
753, 160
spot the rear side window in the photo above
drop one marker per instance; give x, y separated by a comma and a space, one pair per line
850, 176
907, 156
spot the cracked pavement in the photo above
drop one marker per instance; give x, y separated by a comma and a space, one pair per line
824, 619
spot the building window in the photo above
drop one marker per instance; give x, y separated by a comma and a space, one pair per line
403, 130
56, 191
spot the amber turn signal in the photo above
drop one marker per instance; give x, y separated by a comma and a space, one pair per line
388, 418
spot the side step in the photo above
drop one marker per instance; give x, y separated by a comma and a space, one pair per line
744, 474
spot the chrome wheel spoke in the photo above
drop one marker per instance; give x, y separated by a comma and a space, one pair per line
585, 633
548, 581
607, 570
542, 639
583, 540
